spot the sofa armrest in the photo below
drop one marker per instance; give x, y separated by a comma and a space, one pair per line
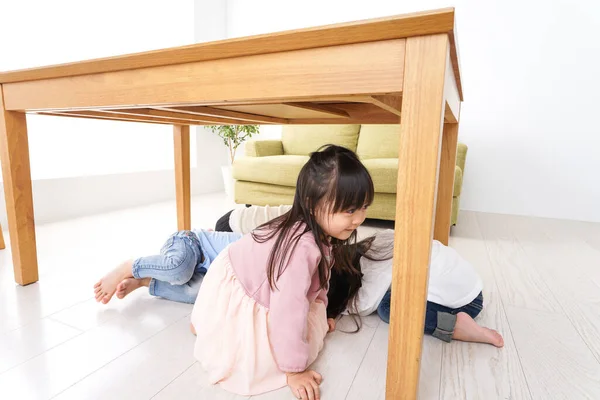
458, 181
461, 156
264, 148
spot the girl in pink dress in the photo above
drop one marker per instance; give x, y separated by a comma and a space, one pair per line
260, 316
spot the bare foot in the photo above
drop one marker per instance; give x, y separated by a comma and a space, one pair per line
105, 288
467, 330
128, 285
192, 329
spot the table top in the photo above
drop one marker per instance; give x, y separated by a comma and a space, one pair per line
23, 89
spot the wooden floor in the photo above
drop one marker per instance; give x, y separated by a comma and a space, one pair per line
542, 292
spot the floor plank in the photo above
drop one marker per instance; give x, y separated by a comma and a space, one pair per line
369, 382
141, 372
568, 265
477, 371
193, 384
556, 361
558, 345
138, 305
370, 379
336, 364
71, 361
22, 344
519, 282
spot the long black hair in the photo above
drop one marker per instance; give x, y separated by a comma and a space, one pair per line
333, 180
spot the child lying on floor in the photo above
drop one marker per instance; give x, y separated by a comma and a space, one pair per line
174, 274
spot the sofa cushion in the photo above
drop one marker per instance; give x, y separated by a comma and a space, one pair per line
263, 148
262, 194
384, 172
378, 141
304, 139
284, 170
276, 170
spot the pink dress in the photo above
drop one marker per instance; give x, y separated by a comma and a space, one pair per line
249, 335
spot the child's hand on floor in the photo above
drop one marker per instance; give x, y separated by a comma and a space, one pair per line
305, 385
331, 323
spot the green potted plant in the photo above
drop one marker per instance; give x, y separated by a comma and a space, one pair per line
233, 136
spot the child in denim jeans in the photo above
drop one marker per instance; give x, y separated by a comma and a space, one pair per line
174, 274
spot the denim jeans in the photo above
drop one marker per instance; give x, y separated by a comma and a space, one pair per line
432, 310
175, 271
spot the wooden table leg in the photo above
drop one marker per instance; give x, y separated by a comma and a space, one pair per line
443, 213
2, 244
418, 164
181, 135
14, 154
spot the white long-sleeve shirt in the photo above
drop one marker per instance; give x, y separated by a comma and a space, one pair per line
453, 282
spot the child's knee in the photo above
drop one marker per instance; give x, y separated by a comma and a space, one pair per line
182, 268
181, 276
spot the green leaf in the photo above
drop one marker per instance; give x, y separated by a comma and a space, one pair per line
234, 135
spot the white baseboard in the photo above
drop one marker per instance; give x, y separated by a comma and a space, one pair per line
60, 199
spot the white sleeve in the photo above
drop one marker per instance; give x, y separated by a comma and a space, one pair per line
244, 220
377, 275
453, 282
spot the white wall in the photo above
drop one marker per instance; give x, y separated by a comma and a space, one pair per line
82, 167
531, 80
69, 30
210, 24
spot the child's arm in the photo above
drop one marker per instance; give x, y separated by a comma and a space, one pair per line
244, 220
217, 241
289, 307
322, 296
331, 324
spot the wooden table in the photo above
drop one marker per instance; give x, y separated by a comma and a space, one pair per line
2, 245
389, 70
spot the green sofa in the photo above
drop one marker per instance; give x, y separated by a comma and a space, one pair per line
267, 174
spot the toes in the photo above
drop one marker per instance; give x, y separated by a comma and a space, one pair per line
499, 340
99, 293
97, 284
